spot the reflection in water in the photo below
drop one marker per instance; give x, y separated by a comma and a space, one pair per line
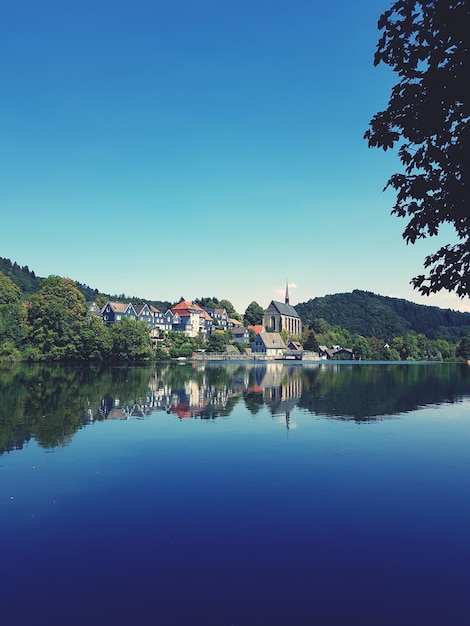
51, 402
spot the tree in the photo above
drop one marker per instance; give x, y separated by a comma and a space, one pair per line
361, 348
228, 306
254, 314
9, 292
446, 349
100, 301
426, 43
96, 340
311, 343
131, 340
56, 317
12, 316
217, 342
463, 349
210, 303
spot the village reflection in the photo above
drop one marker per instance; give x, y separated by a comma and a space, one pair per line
50, 403
206, 392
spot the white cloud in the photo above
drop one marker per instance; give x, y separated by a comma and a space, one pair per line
282, 290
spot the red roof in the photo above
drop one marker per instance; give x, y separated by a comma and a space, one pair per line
185, 308
257, 329
184, 305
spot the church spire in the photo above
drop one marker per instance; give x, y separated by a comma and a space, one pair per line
287, 292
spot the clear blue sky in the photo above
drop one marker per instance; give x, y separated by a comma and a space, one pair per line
200, 148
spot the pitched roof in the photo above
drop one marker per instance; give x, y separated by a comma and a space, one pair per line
256, 329
186, 304
117, 307
285, 309
184, 309
139, 307
272, 340
239, 330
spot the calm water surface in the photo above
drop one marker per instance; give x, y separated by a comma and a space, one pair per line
236, 495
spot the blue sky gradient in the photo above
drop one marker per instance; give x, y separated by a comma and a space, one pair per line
210, 148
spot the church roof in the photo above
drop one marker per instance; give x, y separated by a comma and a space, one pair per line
285, 309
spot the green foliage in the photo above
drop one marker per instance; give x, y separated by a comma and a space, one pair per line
131, 341
254, 314
463, 349
101, 301
362, 348
96, 340
218, 342
12, 323
61, 328
9, 352
241, 347
9, 292
426, 43
209, 303
408, 347
177, 344
56, 318
311, 344
446, 349
228, 306
26, 281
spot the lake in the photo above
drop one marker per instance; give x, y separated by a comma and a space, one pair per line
237, 494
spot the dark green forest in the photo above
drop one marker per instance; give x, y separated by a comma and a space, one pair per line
371, 315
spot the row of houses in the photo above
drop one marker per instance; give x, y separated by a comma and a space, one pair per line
194, 320
186, 317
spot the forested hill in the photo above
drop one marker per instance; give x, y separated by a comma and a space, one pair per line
29, 283
371, 315
24, 279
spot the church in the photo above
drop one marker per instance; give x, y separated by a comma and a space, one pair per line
282, 316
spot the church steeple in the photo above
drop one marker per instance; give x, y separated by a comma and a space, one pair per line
287, 292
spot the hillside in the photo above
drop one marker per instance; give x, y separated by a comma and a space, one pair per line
29, 283
372, 315
26, 281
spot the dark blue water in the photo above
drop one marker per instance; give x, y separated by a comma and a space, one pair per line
264, 506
